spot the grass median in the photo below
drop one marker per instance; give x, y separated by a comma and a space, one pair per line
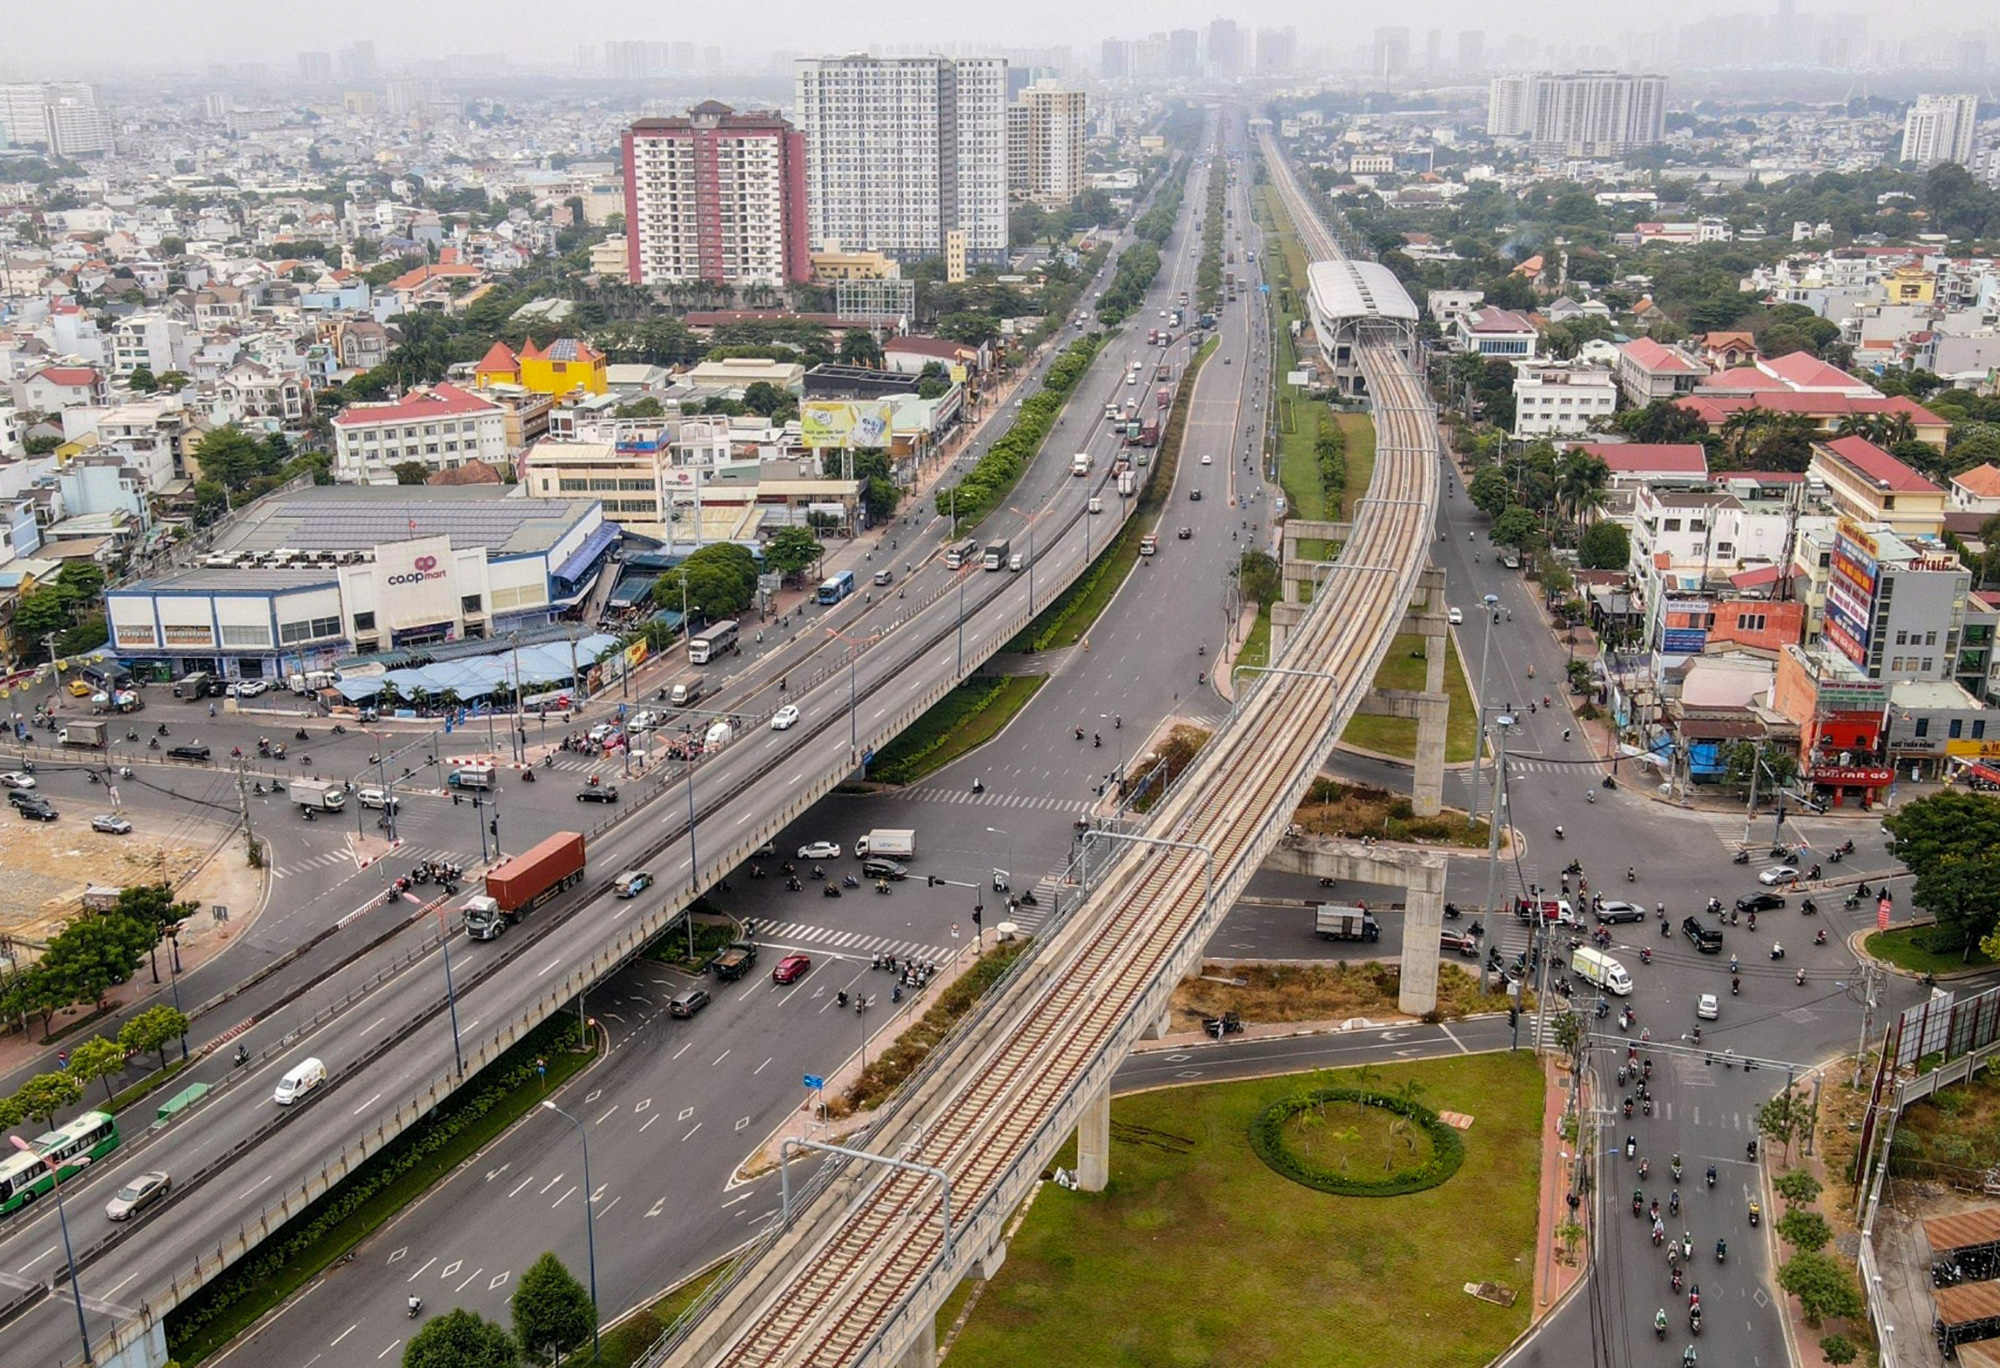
1199, 1253
1404, 668
968, 717
1908, 947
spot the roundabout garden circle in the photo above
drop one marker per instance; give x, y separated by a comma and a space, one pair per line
1354, 1143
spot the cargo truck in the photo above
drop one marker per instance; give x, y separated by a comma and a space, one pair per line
997, 553
1599, 968
82, 733
734, 962
1127, 483
521, 883
1149, 435
1346, 923
892, 843
1079, 464
317, 795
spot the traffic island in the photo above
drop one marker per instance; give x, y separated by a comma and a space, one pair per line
1198, 1252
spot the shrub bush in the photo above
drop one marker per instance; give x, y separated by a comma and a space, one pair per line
1268, 1140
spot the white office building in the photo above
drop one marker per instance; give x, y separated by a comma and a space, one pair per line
1579, 114
1561, 401
64, 116
1939, 128
901, 151
1045, 145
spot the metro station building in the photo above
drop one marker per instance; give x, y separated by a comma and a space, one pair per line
1355, 302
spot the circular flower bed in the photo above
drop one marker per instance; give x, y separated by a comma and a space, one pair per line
1268, 1139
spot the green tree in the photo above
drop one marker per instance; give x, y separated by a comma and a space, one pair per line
93, 953
552, 1310
761, 396
858, 347
411, 472
1823, 1286
1257, 573
1490, 491
1517, 528
142, 380
153, 1029
1804, 1229
173, 382
40, 612
1796, 1186
153, 905
98, 1057
1951, 842
647, 407
461, 1339
1605, 546
45, 1095
1781, 764
791, 550
232, 458
1838, 1350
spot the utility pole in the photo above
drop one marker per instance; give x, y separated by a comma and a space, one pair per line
1500, 726
1868, 984
1750, 813
243, 809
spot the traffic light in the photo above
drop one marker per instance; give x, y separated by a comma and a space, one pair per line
494, 826
977, 912
1513, 1016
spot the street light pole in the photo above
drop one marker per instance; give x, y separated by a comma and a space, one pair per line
62, 1214
450, 993
589, 1219
1501, 726
1492, 602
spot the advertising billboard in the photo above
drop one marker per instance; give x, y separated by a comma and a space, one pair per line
1850, 592
847, 422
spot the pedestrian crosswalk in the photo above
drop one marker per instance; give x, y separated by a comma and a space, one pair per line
344, 861
939, 794
790, 933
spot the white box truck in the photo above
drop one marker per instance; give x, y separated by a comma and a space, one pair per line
320, 795
1079, 464
1346, 923
891, 843
1596, 967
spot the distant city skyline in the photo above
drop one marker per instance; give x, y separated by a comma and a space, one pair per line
45, 44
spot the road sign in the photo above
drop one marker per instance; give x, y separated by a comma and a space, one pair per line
814, 1081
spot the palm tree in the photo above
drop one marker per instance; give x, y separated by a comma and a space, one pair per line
1892, 429
1581, 482
1740, 430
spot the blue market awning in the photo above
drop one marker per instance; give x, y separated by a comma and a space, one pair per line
596, 544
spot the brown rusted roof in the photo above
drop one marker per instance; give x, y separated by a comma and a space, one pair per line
1966, 1228
1968, 1302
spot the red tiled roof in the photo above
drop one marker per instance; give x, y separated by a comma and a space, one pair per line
409, 280
1982, 481
1802, 370
499, 357
1740, 380
1497, 321
66, 375
1878, 466
942, 347
1662, 359
1650, 458
439, 401
1713, 408
1755, 579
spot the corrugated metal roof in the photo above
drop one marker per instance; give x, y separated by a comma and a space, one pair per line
1965, 1228
1359, 289
1967, 1302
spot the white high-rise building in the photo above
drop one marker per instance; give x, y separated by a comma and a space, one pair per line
1579, 114
1939, 128
902, 150
24, 106
1045, 144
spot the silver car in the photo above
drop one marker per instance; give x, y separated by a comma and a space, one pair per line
137, 1195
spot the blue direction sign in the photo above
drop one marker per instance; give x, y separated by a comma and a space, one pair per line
814, 1081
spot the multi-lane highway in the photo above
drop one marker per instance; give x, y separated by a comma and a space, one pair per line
392, 1046
857, 1272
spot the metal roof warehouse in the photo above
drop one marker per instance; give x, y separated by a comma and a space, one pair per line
304, 579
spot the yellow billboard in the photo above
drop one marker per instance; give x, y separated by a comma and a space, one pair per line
847, 422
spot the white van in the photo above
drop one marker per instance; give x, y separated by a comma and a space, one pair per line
299, 1080
1599, 968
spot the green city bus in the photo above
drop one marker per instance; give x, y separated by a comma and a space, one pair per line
25, 1175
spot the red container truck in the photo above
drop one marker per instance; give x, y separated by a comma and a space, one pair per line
521, 883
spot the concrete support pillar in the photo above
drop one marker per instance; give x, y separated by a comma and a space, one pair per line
922, 1351
1285, 618
1427, 785
988, 1267
1093, 1141
1161, 1028
1423, 924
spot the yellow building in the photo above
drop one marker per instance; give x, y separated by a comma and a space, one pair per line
1910, 283
566, 366
836, 263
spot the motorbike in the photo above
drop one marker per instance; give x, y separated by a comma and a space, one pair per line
299, 735
1808, 907
242, 1056
1756, 1214
1819, 937
849, 881
1451, 912
1660, 1326
416, 1307
831, 890
1711, 1175
527, 776
1740, 857
1694, 1320
339, 729
1777, 951
1721, 1251
1645, 954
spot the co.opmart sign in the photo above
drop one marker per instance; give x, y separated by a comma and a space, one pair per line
423, 568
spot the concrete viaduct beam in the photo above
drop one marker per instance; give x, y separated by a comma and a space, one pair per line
1420, 873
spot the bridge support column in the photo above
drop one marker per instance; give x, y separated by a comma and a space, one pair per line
1419, 872
1427, 615
1161, 1028
922, 1351
1423, 925
989, 1264
1093, 1142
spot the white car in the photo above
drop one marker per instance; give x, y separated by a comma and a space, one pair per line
601, 731
1776, 875
785, 717
248, 688
110, 825
820, 850
17, 780
1207, 459
376, 798
1457, 616
1707, 1008
644, 721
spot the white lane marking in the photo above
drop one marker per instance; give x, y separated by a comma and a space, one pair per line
551, 1183
761, 1067
719, 1058
564, 1198
393, 1346
342, 1335
475, 1273
419, 1273
600, 1120
366, 1105
649, 1121
546, 967
690, 1135
743, 1196
253, 1187
523, 1183
37, 1259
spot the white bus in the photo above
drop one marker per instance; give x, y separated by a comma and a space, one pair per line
958, 556
711, 641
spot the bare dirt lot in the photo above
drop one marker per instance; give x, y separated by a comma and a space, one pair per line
49, 864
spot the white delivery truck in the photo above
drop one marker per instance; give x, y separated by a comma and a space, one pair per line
1079, 464
317, 795
1599, 968
890, 843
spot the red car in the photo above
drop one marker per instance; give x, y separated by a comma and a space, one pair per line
790, 967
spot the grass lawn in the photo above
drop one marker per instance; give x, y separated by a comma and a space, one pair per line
628, 1342
970, 715
1198, 1254
1398, 735
1904, 948
1359, 429
1257, 646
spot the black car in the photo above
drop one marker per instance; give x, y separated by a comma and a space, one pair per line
37, 811
1706, 938
597, 793
881, 867
1760, 902
187, 752
688, 1003
21, 798
1194, 496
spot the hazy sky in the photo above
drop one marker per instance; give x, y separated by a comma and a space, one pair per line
45, 39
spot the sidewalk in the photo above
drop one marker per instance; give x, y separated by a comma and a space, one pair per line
1557, 1270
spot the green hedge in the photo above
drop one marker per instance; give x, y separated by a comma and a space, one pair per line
1267, 1138
306, 1236
982, 488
